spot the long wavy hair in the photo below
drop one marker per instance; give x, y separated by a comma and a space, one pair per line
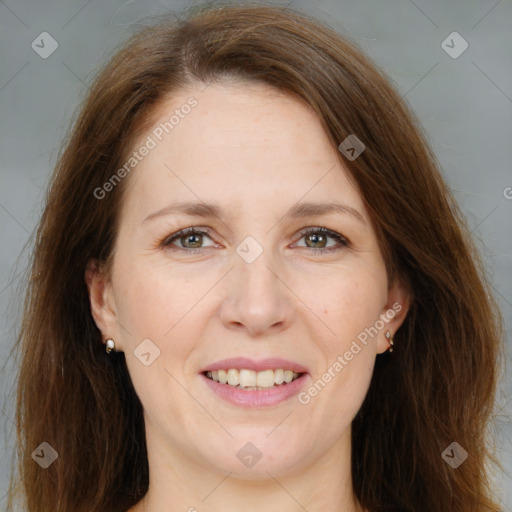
437, 387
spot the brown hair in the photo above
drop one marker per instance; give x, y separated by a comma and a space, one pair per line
437, 387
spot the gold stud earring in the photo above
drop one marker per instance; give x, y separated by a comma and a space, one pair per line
389, 337
109, 345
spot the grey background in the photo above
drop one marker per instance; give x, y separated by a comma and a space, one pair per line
464, 104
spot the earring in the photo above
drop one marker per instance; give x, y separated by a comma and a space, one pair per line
389, 337
109, 345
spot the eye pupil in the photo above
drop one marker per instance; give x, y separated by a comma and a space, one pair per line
190, 239
317, 238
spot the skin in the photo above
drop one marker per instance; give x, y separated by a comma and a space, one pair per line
255, 152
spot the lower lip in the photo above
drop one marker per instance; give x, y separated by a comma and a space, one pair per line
256, 398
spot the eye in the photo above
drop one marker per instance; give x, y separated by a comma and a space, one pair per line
318, 237
191, 239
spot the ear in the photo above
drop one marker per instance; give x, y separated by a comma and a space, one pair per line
394, 312
101, 300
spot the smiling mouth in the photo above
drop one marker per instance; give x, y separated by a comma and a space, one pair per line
250, 380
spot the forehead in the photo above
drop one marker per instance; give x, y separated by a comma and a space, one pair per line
247, 138
233, 114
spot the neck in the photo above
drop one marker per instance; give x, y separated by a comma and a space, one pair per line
178, 483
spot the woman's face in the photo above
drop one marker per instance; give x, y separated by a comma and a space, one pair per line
254, 169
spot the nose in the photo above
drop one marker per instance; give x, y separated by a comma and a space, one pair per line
257, 299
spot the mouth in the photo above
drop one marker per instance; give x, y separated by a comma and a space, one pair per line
250, 380
254, 384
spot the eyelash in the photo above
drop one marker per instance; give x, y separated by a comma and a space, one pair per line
192, 230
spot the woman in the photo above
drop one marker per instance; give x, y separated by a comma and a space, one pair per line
252, 288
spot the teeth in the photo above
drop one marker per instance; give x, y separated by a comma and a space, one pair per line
288, 376
278, 376
250, 379
223, 376
233, 377
265, 379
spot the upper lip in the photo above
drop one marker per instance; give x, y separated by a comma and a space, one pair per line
239, 363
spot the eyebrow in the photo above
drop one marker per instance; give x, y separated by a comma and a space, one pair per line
298, 211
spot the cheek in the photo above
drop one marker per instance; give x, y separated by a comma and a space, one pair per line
354, 303
152, 302
159, 309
